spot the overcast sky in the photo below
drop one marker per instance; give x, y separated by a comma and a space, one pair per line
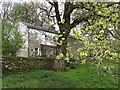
20, 0
57, 0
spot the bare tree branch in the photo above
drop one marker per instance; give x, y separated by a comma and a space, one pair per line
55, 5
80, 20
57, 12
115, 36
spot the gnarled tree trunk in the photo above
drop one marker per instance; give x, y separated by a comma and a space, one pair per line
59, 64
64, 26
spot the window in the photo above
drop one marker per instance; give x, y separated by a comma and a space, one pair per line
36, 35
54, 39
46, 37
36, 51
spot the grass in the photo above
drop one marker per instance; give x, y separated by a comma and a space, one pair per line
82, 76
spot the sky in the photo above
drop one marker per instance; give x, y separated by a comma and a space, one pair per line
57, 0
19, 0
26, 0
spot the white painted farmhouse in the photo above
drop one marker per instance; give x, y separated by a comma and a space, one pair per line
40, 41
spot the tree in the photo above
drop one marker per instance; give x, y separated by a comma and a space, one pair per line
65, 27
89, 14
86, 12
11, 36
101, 33
31, 13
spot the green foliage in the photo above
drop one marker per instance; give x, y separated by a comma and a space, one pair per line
60, 56
62, 21
67, 59
24, 12
11, 38
60, 43
0, 39
96, 35
83, 76
30, 12
14, 64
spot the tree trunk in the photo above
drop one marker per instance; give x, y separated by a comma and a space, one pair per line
64, 27
59, 65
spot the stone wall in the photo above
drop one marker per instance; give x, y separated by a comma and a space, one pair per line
16, 64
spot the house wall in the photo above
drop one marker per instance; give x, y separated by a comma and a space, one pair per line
33, 44
24, 31
48, 51
37, 40
34, 40
74, 44
23, 53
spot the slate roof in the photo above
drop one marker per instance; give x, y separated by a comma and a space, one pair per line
45, 29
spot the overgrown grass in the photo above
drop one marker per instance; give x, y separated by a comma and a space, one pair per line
82, 76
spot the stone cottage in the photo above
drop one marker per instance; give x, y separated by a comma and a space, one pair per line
41, 41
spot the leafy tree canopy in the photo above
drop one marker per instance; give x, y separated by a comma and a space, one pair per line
100, 33
11, 37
